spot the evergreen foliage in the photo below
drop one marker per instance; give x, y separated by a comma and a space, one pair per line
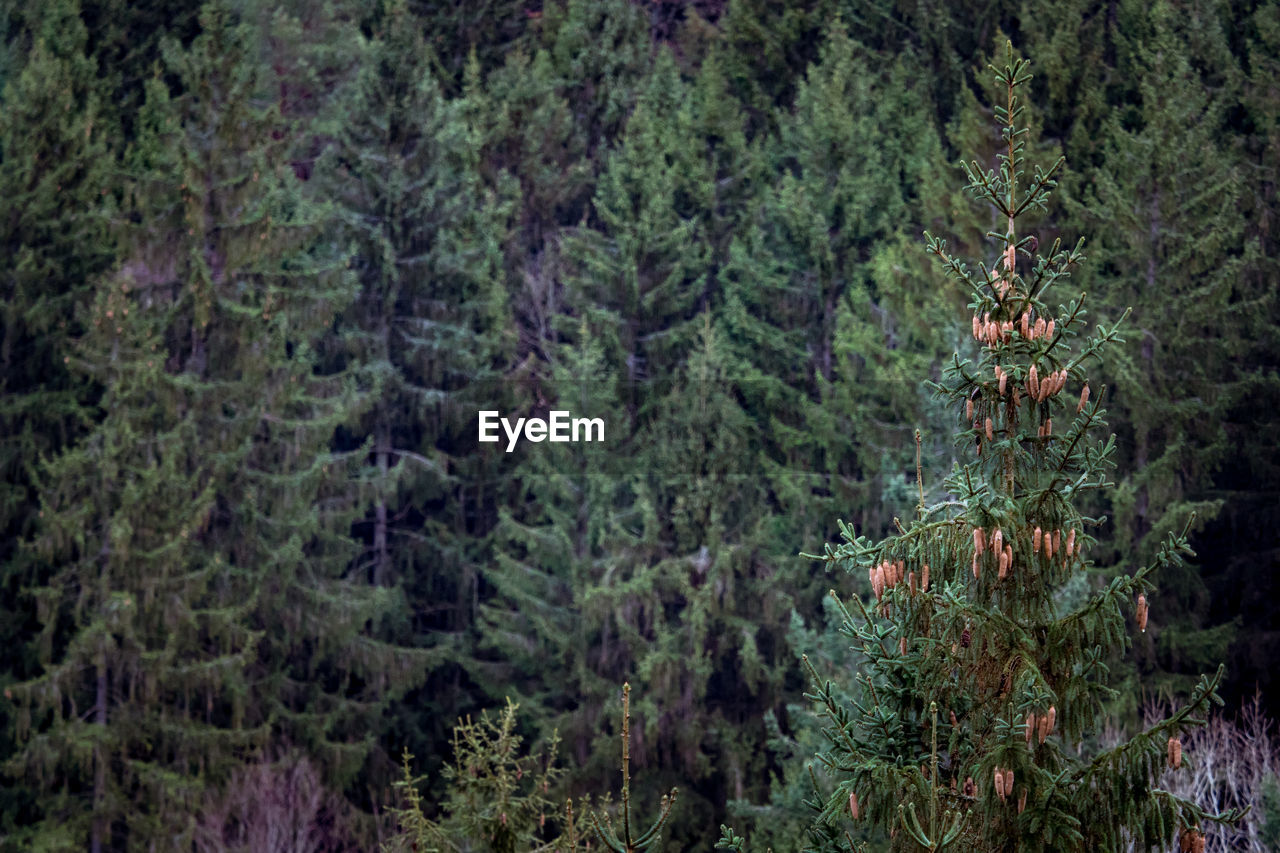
201, 524
492, 806
1174, 387
981, 688
54, 173
340, 230
428, 328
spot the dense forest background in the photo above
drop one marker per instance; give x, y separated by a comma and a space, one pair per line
263, 263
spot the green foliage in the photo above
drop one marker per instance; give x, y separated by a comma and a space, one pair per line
55, 162
427, 335
56, 154
491, 806
1167, 205
344, 229
963, 618
769, 47
203, 519
548, 625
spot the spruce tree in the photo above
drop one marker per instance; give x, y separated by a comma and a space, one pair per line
981, 685
1169, 200
429, 323
199, 607
821, 299
56, 163
547, 620
670, 565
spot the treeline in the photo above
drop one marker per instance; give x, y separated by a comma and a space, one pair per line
263, 265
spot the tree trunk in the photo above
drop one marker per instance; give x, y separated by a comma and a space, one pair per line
382, 449
100, 770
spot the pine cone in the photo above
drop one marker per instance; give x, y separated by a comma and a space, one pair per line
1031, 727
853, 805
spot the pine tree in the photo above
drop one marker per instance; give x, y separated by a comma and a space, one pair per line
1172, 193
769, 45
978, 702
56, 163
640, 276
1248, 518
821, 300
600, 52
199, 607
675, 568
430, 325
127, 605
547, 622
498, 799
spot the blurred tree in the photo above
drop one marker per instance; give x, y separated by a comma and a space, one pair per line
56, 168
430, 326
1168, 201
199, 604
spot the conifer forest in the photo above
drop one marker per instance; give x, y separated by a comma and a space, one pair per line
917, 371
